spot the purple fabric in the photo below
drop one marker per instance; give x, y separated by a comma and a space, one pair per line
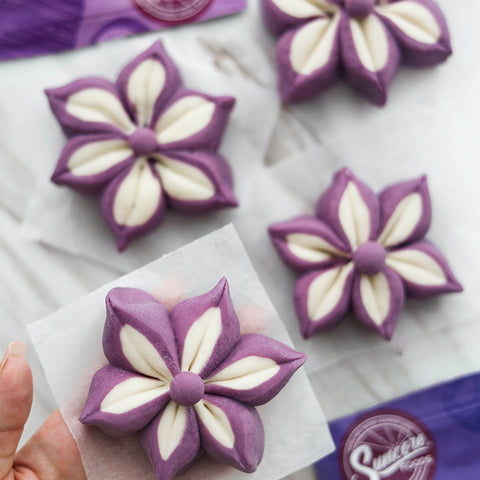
29, 28
448, 416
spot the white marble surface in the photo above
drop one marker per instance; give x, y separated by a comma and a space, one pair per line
432, 117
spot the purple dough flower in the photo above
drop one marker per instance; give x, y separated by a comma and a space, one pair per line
186, 380
145, 142
363, 251
364, 40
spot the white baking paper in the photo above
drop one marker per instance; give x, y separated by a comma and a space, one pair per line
426, 329
72, 221
68, 343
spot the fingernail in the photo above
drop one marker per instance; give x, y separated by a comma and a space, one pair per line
15, 349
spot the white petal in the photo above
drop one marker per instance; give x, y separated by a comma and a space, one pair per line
354, 216
311, 248
414, 19
138, 196
142, 355
416, 266
326, 291
144, 86
183, 181
305, 8
217, 423
96, 157
403, 221
171, 429
247, 373
98, 105
370, 41
312, 45
375, 293
131, 394
201, 340
184, 118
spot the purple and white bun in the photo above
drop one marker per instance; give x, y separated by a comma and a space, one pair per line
362, 40
363, 252
145, 143
186, 380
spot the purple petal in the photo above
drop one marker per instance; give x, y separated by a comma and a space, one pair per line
172, 441
90, 105
88, 162
121, 402
193, 120
377, 301
370, 56
195, 181
420, 29
207, 329
350, 208
306, 243
231, 433
423, 270
256, 371
138, 335
134, 202
147, 83
280, 15
406, 212
322, 298
308, 59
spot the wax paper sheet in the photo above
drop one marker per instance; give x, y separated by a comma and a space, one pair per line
72, 221
68, 343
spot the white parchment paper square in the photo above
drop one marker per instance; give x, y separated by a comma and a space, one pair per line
433, 338
71, 221
68, 343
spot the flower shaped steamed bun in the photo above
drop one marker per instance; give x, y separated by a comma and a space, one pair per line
146, 143
364, 252
186, 380
362, 40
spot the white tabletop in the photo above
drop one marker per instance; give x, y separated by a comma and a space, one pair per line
432, 116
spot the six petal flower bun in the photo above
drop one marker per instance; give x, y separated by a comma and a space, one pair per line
186, 380
146, 143
363, 252
362, 40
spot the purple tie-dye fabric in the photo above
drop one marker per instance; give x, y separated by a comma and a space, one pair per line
433, 434
29, 28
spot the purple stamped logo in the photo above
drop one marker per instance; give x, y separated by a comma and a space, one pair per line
172, 10
388, 445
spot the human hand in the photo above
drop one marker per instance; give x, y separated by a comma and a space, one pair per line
51, 454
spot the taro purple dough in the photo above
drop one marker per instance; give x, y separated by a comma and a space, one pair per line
186, 380
362, 41
145, 143
362, 252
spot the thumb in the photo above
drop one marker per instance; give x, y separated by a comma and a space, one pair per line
16, 392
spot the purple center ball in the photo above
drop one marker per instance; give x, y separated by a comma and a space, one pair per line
187, 389
359, 8
369, 258
143, 142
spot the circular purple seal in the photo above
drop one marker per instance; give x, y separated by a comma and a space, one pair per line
172, 10
388, 445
